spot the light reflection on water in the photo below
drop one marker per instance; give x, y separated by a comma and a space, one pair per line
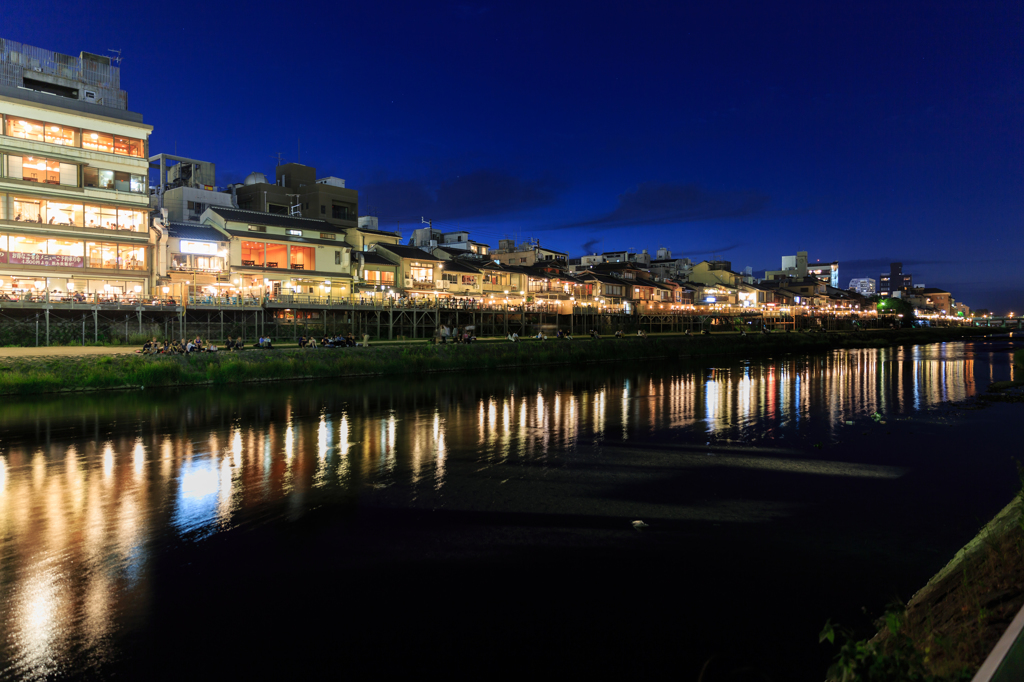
84, 508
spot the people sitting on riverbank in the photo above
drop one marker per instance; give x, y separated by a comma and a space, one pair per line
594, 335
513, 337
540, 336
641, 333
618, 333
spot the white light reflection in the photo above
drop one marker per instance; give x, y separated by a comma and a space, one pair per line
236, 447
139, 457
199, 482
108, 460
3, 473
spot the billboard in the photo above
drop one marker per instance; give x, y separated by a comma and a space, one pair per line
43, 259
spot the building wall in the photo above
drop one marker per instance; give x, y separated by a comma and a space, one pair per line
95, 238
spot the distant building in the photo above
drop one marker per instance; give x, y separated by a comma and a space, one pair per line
865, 286
297, 192
527, 254
893, 283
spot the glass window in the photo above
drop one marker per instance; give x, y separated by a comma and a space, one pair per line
303, 258
138, 184
65, 247
100, 255
27, 210
122, 181
131, 257
337, 257
3, 242
97, 142
90, 177
253, 253
128, 146
3, 207
106, 179
422, 274
56, 134
130, 219
210, 263
59, 213
21, 244
277, 256
179, 261
101, 216
25, 129
387, 278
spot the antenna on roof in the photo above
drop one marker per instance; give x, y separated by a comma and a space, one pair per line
116, 57
278, 157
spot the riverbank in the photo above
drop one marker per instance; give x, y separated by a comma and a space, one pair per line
78, 373
948, 629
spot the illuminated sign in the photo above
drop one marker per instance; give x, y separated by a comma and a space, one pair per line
49, 260
202, 248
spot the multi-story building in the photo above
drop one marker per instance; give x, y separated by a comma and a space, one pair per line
892, 283
271, 255
297, 192
527, 254
865, 286
74, 196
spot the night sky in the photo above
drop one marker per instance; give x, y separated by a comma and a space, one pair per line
859, 132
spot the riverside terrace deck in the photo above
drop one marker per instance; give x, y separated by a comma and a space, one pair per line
60, 320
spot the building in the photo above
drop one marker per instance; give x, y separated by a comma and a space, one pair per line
427, 238
186, 188
865, 286
793, 267
643, 259
527, 254
893, 283
296, 191
273, 255
74, 195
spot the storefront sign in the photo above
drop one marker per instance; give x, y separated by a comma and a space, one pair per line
44, 259
3, 257
201, 248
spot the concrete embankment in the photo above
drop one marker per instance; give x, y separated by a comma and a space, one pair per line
46, 374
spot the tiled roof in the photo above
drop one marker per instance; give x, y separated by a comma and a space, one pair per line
196, 231
238, 215
371, 258
408, 252
459, 266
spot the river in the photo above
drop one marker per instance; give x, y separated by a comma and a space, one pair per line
483, 525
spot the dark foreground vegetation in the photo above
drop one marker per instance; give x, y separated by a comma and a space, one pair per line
70, 373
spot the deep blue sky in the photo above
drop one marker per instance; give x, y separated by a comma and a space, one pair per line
859, 132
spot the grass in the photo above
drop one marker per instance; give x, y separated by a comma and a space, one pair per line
51, 374
951, 625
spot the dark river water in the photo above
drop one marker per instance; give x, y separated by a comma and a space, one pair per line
483, 524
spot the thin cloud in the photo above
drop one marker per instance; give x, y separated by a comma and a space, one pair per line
654, 203
473, 195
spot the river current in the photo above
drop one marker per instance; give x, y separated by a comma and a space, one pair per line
484, 523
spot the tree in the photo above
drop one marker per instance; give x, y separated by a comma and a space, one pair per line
897, 306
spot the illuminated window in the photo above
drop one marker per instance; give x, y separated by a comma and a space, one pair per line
303, 258
37, 169
253, 253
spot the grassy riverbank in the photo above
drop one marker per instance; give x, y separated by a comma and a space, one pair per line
69, 373
949, 627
